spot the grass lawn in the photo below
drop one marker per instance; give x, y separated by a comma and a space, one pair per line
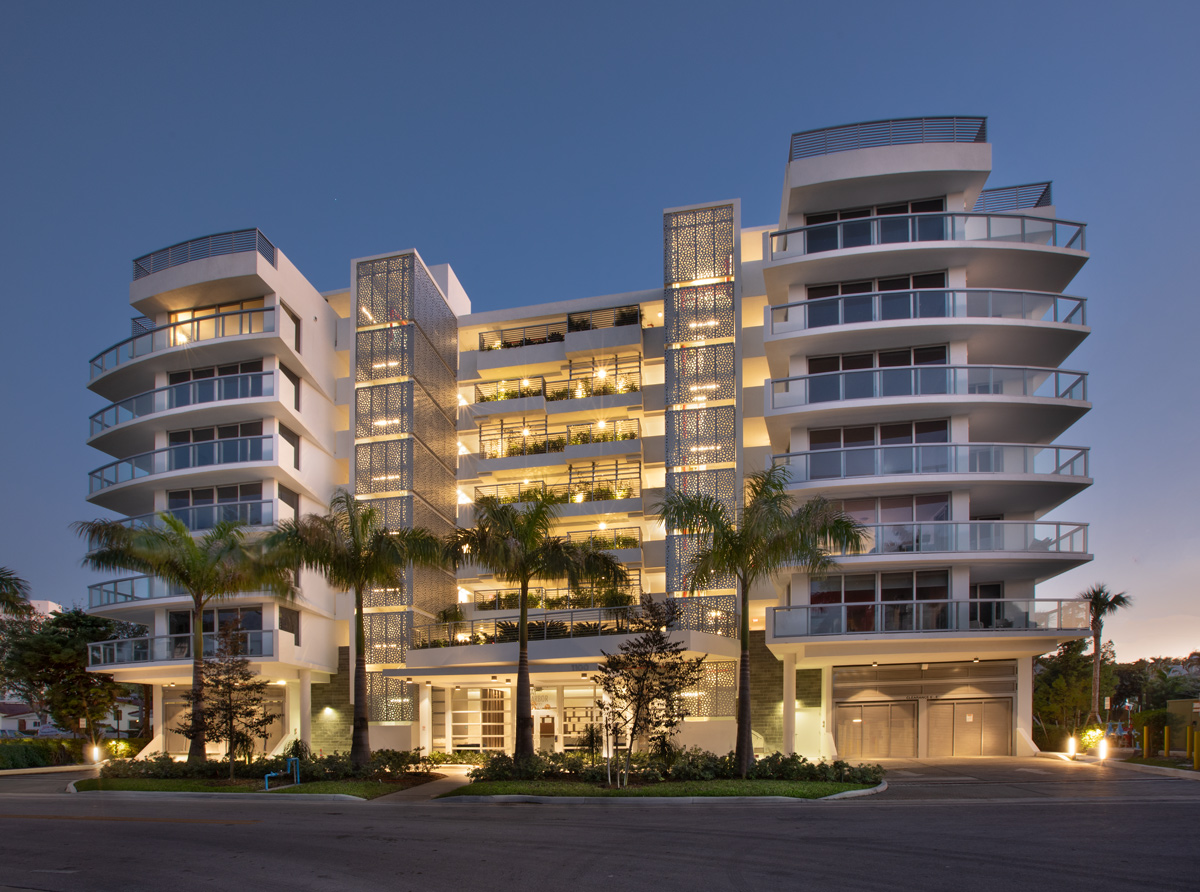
795, 789
1185, 764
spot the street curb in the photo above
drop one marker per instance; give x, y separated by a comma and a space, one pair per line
155, 794
652, 800
1156, 769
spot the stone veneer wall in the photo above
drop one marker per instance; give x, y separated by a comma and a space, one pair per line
766, 691
331, 732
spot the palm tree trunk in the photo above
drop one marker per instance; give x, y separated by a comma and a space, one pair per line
196, 752
524, 741
744, 753
360, 743
1097, 629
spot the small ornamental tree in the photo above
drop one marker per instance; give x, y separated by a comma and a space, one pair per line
645, 681
235, 710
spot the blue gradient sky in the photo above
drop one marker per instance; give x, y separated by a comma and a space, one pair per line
533, 146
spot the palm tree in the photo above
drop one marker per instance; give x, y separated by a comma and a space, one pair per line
14, 594
1101, 603
756, 541
516, 544
355, 551
210, 568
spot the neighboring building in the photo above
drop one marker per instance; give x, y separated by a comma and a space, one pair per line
17, 719
896, 342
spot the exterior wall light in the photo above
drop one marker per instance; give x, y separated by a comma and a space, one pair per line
328, 710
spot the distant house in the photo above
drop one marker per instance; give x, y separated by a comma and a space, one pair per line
18, 718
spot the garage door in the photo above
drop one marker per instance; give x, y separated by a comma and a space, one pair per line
876, 731
970, 728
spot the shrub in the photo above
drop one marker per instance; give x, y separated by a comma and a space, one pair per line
502, 766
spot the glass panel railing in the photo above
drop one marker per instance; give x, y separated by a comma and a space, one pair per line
935, 458
889, 306
930, 380
180, 334
505, 441
593, 490
703, 615
210, 453
205, 517
166, 648
898, 617
942, 537
178, 396
130, 588
937, 227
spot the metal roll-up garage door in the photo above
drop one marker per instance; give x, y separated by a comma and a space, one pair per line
876, 731
970, 728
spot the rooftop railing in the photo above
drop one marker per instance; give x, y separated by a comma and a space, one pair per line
210, 453
895, 132
890, 306
900, 617
570, 624
929, 380
178, 396
963, 537
179, 334
517, 440
935, 458
1013, 198
895, 229
552, 332
168, 648
239, 242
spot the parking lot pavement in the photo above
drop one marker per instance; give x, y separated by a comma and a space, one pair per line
1046, 778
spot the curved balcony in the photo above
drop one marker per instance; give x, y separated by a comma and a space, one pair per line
205, 517
130, 589
216, 338
173, 648
1014, 326
112, 427
892, 132
1012, 548
1051, 251
1004, 478
1024, 403
1017, 618
196, 458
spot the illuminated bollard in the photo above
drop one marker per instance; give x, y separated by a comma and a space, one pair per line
1103, 748
1071, 747
1145, 741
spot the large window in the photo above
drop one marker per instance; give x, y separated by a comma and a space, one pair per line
900, 297
201, 508
853, 228
881, 374
880, 602
855, 457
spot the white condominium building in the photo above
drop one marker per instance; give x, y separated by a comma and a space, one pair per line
896, 342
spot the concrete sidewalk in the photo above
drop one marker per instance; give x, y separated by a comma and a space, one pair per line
455, 777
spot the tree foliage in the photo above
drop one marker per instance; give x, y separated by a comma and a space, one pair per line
1062, 687
645, 681
235, 708
14, 594
1101, 604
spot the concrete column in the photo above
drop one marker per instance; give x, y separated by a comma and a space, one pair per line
828, 747
449, 717
156, 714
306, 706
1023, 744
789, 704
559, 715
425, 718
352, 656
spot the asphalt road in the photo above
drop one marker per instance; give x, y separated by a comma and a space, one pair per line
989, 829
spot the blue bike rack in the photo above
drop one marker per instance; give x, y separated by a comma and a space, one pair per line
293, 768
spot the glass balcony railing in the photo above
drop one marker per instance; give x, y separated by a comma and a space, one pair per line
935, 458
898, 617
896, 229
966, 537
627, 378
889, 306
508, 442
929, 380
179, 334
130, 588
205, 517
210, 453
167, 648
574, 492
566, 624
557, 598
178, 396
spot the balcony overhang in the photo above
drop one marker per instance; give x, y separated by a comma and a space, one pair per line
830, 650
225, 278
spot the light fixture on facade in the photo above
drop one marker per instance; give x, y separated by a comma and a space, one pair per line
462, 400
525, 432
388, 365
874, 664
281, 682
603, 525
583, 675
493, 678
600, 373
328, 710
524, 382
976, 660
601, 424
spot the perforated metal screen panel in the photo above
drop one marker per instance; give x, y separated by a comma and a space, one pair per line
698, 244
387, 634
390, 699
701, 436
697, 373
698, 312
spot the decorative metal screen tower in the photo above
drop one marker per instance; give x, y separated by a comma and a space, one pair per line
701, 311
405, 404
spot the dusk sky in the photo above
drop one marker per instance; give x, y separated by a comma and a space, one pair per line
533, 147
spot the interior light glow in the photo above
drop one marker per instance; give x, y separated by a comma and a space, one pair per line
367, 313
384, 422
524, 382
600, 373
603, 525
387, 365
387, 477
525, 432
601, 424
462, 450
578, 497
462, 400
464, 596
